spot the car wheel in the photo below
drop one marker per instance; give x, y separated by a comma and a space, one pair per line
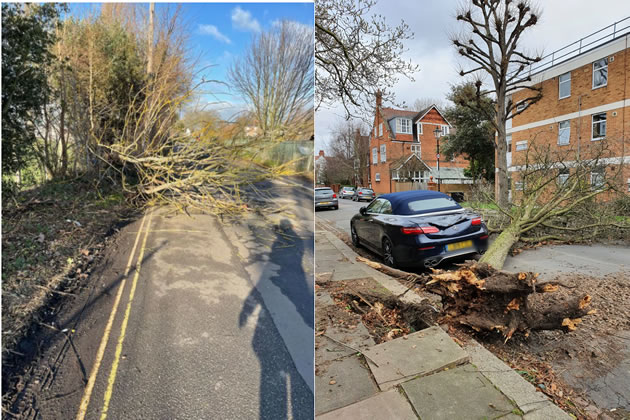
354, 236
336, 207
388, 253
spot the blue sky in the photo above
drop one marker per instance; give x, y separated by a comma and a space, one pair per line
219, 32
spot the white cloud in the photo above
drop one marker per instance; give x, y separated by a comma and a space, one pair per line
214, 32
242, 19
297, 25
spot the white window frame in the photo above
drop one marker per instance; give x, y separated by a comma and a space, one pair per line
374, 155
520, 145
380, 130
604, 68
374, 131
399, 126
521, 106
395, 175
598, 122
383, 153
416, 149
561, 82
562, 178
594, 176
564, 130
377, 177
445, 130
419, 128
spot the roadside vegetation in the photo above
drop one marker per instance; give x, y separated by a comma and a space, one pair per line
101, 119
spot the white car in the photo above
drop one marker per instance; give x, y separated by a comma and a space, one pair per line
346, 192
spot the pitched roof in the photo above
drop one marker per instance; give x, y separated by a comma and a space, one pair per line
389, 113
399, 163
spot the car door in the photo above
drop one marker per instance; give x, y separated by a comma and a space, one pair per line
372, 229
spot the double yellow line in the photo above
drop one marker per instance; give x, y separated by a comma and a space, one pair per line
85, 401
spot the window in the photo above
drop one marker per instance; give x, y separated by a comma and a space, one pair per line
375, 155
415, 148
419, 128
563, 176
508, 139
564, 85
430, 205
380, 130
377, 176
383, 157
374, 131
600, 73
521, 145
445, 130
518, 186
376, 206
564, 132
403, 125
597, 180
599, 126
395, 175
520, 106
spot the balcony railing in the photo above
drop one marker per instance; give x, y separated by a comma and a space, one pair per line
594, 40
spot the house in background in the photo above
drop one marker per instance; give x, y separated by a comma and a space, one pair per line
404, 149
586, 88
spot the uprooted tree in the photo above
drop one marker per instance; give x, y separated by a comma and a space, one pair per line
486, 299
554, 197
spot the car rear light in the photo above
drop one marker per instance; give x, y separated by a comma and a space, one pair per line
334, 195
426, 248
483, 237
419, 230
476, 221
360, 193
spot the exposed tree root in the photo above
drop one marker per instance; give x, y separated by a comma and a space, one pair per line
483, 298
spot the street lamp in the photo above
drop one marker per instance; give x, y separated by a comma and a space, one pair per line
437, 133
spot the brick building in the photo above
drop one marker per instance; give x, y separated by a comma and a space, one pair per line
403, 152
585, 100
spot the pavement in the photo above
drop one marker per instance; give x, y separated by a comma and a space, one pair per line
425, 374
188, 318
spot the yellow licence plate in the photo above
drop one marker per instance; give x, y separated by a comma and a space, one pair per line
324, 202
459, 245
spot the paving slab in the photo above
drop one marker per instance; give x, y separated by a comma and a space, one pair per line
459, 393
386, 405
327, 349
418, 354
534, 404
351, 383
347, 272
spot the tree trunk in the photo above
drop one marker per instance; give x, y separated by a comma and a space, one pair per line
150, 39
498, 250
501, 174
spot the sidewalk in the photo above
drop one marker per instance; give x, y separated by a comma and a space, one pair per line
425, 374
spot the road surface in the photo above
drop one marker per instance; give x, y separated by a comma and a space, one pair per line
188, 318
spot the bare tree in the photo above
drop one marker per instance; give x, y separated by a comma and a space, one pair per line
494, 29
421, 104
357, 53
349, 151
276, 77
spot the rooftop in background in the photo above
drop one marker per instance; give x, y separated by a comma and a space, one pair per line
583, 45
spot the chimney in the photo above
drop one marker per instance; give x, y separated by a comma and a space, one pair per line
321, 153
379, 98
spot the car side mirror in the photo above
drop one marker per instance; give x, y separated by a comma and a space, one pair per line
362, 210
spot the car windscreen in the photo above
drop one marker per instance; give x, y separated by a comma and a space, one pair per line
323, 191
428, 205
367, 190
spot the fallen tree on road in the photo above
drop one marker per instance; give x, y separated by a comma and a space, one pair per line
486, 299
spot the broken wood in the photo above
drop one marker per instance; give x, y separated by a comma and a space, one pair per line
484, 298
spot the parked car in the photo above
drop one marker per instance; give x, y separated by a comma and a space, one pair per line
363, 194
325, 197
418, 228
346, 192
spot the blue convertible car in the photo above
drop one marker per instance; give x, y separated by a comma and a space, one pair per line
418, 228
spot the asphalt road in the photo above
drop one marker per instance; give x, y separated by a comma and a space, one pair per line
596, 259
212, 321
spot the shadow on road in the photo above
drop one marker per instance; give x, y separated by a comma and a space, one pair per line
283, 392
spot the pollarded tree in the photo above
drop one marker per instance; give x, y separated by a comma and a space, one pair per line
357, 53
491, 41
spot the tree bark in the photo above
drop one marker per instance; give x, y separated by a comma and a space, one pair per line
498, 250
